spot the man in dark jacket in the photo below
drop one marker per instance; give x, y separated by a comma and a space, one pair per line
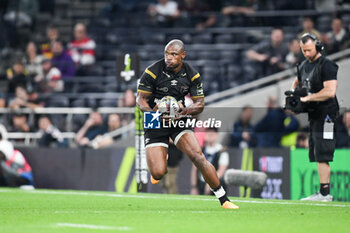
241, 135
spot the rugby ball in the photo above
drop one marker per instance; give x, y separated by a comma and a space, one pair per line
168, 104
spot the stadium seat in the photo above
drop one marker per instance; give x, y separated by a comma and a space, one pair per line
223, 39
93, 88
208, 55
84, 103
108, 103
229, 56
324, 23
60, 102
202, 39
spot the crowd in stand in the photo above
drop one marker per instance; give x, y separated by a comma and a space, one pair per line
45, 69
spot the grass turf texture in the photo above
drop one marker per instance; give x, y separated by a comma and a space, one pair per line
82, 211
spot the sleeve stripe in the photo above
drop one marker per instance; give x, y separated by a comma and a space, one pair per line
200, 96
194, 77
147, 71
143, 91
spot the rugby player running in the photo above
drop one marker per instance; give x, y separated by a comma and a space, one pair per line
172, 76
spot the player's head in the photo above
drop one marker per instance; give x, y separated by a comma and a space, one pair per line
310, 46
174, 54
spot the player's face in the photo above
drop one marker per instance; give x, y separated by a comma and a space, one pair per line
174, 57
308, 49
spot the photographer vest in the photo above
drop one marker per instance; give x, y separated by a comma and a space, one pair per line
313, 82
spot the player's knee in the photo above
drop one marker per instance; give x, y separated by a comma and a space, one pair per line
158, 174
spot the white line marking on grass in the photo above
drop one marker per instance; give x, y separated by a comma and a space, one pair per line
286, 202
95, 227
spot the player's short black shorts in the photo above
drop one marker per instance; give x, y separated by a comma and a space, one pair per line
160, 137
321, 149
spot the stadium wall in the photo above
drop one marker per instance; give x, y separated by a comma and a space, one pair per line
290, 175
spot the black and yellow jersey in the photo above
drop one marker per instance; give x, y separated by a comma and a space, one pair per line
160, 82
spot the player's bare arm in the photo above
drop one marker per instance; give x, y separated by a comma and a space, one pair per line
328, 91
195, 108
141, 101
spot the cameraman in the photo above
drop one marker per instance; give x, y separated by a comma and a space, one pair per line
318, 76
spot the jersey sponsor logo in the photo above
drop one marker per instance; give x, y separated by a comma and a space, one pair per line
163, 89
147, 140
151, 120
173, 82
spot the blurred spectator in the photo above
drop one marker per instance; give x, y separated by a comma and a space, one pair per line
343, 131
294, 56
270, 128
217, 155
20, 123
33, 60
302, 140
15, 171
2, 100
52, 35
22, 12
290, 133
192, 11
62, 60
51, 80
82, 49
16, 77
289, 5
269, 55
169, 181
118, 6
107, 139
335, 39
164, 12
50, 133
236, 12
239, 7
326, 5
128, 100
93, 127
242, 135
24, 100
308, 27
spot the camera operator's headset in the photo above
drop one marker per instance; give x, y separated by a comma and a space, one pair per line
319, 46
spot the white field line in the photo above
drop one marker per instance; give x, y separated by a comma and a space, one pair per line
286, 202
95, 227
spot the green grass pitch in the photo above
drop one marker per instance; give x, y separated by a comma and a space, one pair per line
82, 211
